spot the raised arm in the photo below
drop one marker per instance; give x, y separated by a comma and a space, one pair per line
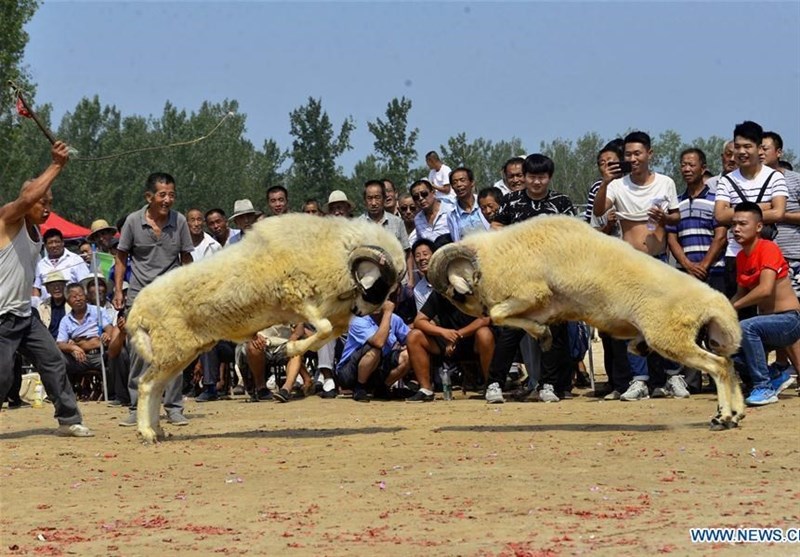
35, 189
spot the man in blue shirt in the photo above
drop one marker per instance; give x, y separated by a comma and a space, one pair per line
467, 217
79, 336
698, 241
374, 342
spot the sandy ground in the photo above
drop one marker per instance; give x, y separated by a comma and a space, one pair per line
335, 477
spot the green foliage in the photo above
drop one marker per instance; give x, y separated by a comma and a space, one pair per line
575, 162
394, 144
314, 172
483, 156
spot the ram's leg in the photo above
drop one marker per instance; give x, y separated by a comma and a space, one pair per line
526, 315
324, 332
151, 389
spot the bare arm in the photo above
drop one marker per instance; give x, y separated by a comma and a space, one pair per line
792, 218
410, 268
774, 210
34, 190
601, 202
765, 288
378, 340
723, 212
718, 245
473, 327
120, 266
430, 328
186, 258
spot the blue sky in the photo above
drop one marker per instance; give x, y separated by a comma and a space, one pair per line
495, 70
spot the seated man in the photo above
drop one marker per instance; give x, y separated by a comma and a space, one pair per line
374, 342
762, 275
441, 329
55, 307
78, 335
263, 350
58, 258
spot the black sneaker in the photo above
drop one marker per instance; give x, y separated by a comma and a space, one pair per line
261, 395
328, 394
282, 395
360, 395
419, 396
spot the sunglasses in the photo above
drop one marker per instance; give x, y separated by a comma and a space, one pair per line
409, 208
420, 195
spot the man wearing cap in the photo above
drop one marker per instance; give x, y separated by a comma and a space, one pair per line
58, 259
244, 217
55, 307
101, 235
20, 244
338, 205
157, 240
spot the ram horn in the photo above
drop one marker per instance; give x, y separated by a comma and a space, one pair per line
374, 273
444, 267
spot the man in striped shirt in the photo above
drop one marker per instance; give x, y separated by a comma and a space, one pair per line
698, 241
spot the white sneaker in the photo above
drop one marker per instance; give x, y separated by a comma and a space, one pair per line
74, 430
636, 391
548, 394
676, 386
272, 385
659, 392
494, 394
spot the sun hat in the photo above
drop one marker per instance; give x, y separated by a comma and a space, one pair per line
338, 196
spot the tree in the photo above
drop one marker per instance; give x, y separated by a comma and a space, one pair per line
482, 156
13, 39
576, 167
394, 144
314, 172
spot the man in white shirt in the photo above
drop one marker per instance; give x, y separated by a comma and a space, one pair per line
750, 178
644, 202
204, 244
439, 176
71, 265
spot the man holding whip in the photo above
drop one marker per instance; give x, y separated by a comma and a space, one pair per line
20, 329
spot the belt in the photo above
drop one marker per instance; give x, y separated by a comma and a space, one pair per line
92, 351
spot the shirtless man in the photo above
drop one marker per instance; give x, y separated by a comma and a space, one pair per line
644, 202
20, 245
763, 278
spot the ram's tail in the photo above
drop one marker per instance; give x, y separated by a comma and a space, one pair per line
139, 335
724, 333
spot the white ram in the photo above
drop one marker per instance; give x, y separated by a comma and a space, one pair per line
557, 268
288, 269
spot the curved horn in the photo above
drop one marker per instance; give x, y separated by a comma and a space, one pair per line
373, 272
441, 261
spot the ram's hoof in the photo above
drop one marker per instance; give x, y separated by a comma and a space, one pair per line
718, 423
149, 436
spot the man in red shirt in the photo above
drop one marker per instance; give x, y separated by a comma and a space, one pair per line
762, 276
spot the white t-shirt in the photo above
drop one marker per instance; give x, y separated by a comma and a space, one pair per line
632, 201
751, 189
207, 247
439, 178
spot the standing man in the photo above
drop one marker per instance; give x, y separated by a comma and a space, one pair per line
466, 217
374, 199
20, 244
752, 181
390, 203
217, 223
698, 241
278, 200
431, 219
513, 178
58, 258
439, 177
157, 240
644, 202
204, 244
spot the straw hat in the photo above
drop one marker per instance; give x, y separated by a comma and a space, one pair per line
98, 226
243, 207
54, 276
337, 196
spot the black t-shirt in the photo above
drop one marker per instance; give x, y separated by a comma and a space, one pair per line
447, 315
517, 206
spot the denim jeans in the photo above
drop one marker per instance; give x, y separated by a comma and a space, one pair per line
775, 330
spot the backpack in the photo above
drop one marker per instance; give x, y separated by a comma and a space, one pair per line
768, 231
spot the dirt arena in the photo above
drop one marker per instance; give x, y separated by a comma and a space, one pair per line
334, 477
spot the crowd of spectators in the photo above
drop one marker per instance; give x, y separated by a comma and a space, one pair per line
739, 232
